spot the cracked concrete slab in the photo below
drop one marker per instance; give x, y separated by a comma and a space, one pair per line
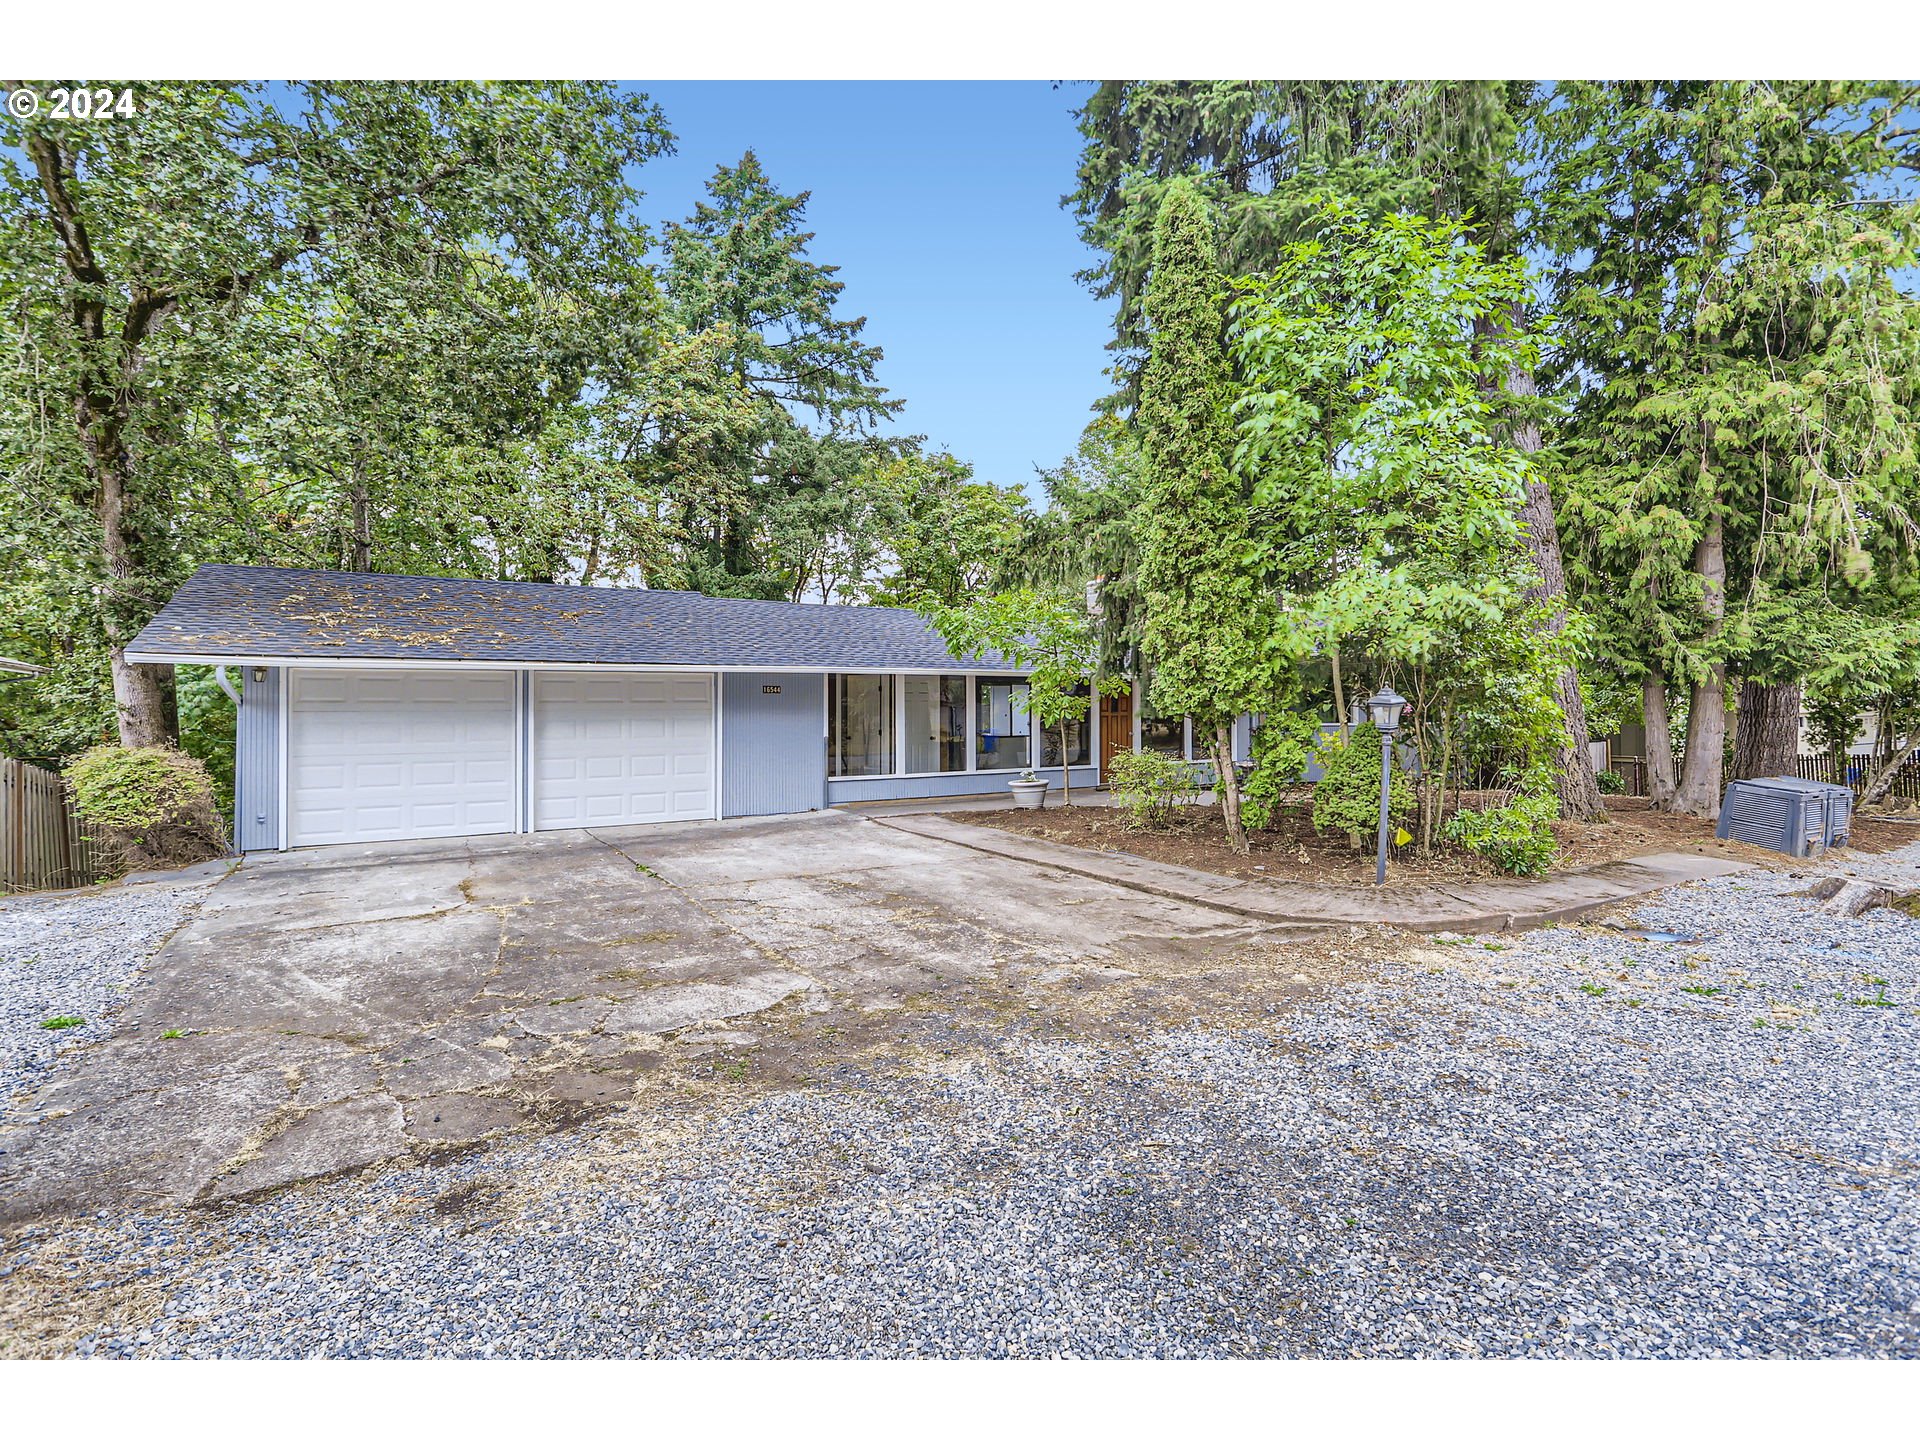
674, 1007
431, 1065
364, 990
330, 1141
458, 1119
563, 1017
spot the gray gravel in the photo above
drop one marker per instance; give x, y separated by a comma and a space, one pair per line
1571, 1142
75, 957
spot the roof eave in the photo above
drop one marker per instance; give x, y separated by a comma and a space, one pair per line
358, 662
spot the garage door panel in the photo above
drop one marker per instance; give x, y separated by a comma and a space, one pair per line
614, 749
394, 755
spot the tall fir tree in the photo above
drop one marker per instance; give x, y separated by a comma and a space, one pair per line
739, 268
1208, 622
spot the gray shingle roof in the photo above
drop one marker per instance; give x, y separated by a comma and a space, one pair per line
245, 612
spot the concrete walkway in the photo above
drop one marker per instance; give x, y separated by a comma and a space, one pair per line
1467, 909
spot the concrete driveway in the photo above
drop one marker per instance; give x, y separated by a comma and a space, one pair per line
328, 1009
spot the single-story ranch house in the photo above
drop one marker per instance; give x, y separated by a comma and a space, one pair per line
390, 707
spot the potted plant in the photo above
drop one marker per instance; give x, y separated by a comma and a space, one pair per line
1029, 791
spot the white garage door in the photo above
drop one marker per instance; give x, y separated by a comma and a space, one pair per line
399, 755
621, 749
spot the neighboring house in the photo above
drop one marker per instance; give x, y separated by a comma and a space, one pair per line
388, 707
1866, 736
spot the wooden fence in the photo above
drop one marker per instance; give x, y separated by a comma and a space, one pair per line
43, 844
1853, 772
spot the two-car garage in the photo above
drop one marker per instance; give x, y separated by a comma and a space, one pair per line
407, 753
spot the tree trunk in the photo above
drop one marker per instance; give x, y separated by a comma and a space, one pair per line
1699, 791
360, 559
1066, 767
1226, 784
1881, 780
1653, 707
1579, 792
1339, 696
1766, 736
142, 694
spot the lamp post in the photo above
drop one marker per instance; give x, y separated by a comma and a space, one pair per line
1384, 710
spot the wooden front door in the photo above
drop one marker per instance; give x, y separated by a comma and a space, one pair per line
1116, 727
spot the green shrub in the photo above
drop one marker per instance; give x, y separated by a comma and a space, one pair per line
1347, 796
1283, 746
1149, 787
147, 807
1517, 836
1610, 782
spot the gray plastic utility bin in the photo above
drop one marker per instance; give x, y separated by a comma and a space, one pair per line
1785, 813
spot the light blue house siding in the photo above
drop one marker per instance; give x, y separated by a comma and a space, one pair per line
960, 782
773, 747
256, 759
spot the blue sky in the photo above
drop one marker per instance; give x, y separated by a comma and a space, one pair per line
939, 201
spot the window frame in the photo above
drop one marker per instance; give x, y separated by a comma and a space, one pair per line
900, 723
973, 679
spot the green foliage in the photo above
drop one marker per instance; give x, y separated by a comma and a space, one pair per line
275, 325
137, 789
1516, 836
1610, 782
1610, 695
207, 730
1346, 798
1150, 787
149, 804
1207, 617
1268, 152
938, 535
62, 1022
1088, 534
1284, 744
1367, 416
1389, 487
773, 517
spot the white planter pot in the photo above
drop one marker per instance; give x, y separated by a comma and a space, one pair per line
1028, 794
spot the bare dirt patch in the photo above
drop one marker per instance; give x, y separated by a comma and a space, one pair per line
1291, 851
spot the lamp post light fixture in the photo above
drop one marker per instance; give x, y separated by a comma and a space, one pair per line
1384, 709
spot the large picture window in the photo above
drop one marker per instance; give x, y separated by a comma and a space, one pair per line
1003, 738
860, 725
936, 737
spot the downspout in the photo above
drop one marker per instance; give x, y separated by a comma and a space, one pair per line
225, 682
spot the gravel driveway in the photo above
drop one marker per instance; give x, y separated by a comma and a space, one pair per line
1578, 1141
75, 959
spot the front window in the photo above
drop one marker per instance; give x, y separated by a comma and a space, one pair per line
860, 714
1003, 739
936, 734
1164, 735
1076, 735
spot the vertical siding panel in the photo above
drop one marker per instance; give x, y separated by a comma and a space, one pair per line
256, 768
773, 756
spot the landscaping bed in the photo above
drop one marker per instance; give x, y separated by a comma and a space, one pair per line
1292, 851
